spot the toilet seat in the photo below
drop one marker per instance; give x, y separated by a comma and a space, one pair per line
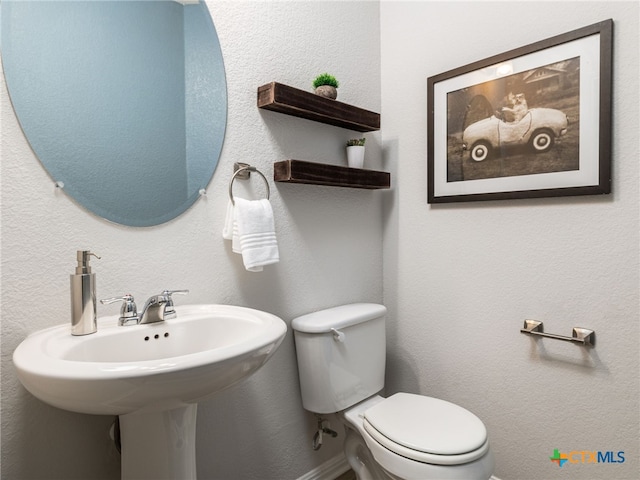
426, 429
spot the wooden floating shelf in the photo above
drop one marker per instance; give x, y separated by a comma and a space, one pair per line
299, 171
292, 101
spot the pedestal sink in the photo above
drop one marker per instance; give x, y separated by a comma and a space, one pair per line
151, 375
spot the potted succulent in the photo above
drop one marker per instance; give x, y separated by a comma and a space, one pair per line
355, 152
326, 85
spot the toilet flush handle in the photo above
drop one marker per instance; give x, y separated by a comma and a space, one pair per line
338, 336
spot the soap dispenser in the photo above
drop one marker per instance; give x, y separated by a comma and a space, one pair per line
83, 296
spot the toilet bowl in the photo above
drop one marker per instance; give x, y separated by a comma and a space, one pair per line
414, 437
341, 354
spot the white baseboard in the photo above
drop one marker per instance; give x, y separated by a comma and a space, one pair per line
333, 468
329, 470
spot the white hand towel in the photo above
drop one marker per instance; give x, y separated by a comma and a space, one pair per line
227, 229
256, 233
230, 229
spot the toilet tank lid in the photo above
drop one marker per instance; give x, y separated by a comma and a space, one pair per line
342, 316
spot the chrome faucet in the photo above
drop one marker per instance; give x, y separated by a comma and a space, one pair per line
159, 308
156, 309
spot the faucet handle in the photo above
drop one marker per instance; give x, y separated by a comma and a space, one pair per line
169, 311
171, 292
128, 311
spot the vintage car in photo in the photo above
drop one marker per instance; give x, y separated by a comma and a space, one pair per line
537, 127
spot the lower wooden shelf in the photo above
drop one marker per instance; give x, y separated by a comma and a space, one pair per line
300, 171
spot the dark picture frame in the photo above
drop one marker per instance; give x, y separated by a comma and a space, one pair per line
531, 122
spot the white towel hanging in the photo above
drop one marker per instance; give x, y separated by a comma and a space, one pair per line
251, 228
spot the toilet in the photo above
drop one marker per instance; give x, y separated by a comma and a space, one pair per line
341, 354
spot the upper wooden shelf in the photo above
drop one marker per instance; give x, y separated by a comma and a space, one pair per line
311, 173
292, 101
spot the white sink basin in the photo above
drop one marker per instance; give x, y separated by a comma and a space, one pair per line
153, 367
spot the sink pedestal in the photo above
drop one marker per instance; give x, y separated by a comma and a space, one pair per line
159, 445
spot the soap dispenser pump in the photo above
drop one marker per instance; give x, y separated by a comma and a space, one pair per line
83, 296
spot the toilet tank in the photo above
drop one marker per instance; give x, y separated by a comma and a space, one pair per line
341, 355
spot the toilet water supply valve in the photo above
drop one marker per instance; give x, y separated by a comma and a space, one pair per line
323, 427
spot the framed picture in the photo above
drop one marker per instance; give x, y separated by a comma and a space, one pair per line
531, 122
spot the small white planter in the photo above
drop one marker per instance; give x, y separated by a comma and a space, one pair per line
355, 156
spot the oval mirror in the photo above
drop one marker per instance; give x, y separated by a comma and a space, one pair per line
124, 102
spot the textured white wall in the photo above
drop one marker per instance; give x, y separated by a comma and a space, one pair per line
460, 279
330, 242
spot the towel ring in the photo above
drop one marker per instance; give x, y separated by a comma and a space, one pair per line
247, 168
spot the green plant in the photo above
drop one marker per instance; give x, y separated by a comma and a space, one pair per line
356, 142
325, 79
